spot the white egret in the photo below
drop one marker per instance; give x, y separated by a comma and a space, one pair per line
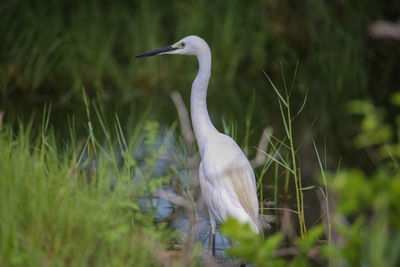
227, 179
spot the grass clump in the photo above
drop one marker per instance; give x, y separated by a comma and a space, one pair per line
57, 211
360, 224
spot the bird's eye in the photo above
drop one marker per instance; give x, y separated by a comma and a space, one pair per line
182, 45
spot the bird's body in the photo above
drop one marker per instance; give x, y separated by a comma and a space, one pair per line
227, 179
227, 182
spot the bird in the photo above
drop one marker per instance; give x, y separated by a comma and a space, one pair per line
227, 179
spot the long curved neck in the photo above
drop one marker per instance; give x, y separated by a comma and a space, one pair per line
201, 122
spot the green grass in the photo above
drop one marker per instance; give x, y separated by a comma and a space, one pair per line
67, 198
50, 49
359, 225
70, 202
62, 206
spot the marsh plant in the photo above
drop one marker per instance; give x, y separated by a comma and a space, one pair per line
359, 223
82, 202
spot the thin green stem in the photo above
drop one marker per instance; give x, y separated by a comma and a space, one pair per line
326, 195
299, 194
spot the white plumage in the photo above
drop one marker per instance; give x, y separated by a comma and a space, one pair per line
227, 179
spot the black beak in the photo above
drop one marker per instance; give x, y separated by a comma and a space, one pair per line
157, 51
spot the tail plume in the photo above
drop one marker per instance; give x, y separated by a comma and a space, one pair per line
264, 222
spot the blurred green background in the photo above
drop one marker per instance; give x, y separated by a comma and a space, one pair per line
53, 51
49, 50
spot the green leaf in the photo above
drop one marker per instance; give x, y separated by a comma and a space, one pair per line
312, 236
276, 90
308, 187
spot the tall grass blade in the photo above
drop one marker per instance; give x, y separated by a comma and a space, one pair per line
276, 90
326, 192
302, 106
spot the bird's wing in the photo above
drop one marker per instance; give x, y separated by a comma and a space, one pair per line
211, 196
230, 177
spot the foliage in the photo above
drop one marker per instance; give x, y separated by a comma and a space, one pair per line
372, 235
267, 252
67, 205
291, 165
73, 195
364, 213
370, 230
252, 248
50, 49
377, 134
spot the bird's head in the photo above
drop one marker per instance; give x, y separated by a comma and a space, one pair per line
190, 45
